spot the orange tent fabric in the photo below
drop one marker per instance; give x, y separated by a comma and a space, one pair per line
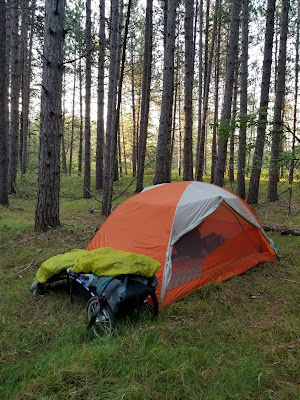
197, 231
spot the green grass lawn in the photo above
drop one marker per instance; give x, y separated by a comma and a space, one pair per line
236, 340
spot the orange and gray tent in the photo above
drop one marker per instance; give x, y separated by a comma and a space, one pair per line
197, 231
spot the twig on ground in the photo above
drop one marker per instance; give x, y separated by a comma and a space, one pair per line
23, 269
283, 279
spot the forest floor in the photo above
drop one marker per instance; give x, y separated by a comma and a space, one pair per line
236, 340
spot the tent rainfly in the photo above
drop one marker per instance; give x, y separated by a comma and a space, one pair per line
197, 231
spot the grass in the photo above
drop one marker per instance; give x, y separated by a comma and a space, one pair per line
235, 340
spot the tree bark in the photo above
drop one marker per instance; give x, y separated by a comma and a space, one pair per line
26, 34
200, 155
146, 86
241, 190
188, 91
279, 100
73, 120
15, 96
47, 208
120, 85
214, 154
224, 130
292, 166
88, 82
108, 177
200, 85
165, 122
3, 107
100, 111
119, 51
123, 140
263, 107
233, 124
63, 142
134, 126
81, 121
180, 133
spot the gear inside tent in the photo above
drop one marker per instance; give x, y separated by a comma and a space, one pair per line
197, 231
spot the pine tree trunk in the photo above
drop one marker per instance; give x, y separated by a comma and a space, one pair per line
263, 107
180, 133
24, 55
119, 50
200, 86
15, 96
47, 208
233, 123
108, 177
3, 107
224, 131
100, 111
146, 85
120, 85
63, 142
188, 91
174, 115
279, 100
73, 120
207, 13
81, 121
134, 136
214, 154
119, 152
165, 121
123, 140
292, 166
200, 155
88, 82
241, 190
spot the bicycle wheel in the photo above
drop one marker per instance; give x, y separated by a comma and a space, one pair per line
104, 322
153, 308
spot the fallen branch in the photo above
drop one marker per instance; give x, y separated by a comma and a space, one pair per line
283, 279
282, 230
23, 269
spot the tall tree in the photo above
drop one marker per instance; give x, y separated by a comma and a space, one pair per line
63, 125
214, 155
263, 107
188, 90
119, 93
233, 124
88, 83
73, 119
110, 142
3, 107
200, 86
224, 130
165, 121
292, 166
145, 96
27, 29
241, 190
47, 208
81, 120
200, 154
279, 101
120, 85
15, 95
134, 125
100, 110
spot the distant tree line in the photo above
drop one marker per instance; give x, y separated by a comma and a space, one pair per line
206, 87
